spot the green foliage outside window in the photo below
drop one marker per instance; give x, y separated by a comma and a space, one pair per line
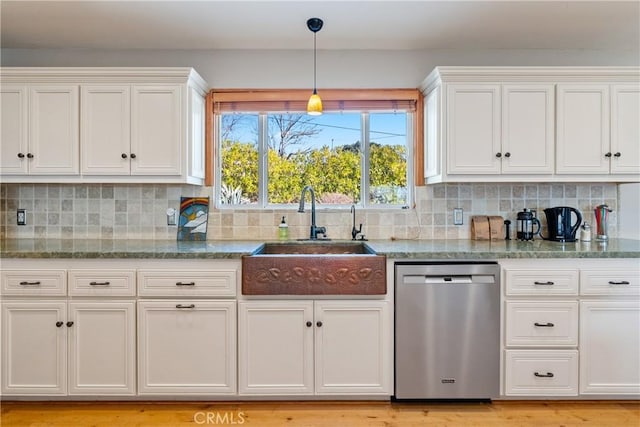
333, 173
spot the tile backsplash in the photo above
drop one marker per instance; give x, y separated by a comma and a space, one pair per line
96, 211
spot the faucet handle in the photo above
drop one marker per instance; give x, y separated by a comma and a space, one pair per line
355, 231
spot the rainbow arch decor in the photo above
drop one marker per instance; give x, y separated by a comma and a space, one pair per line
192, 223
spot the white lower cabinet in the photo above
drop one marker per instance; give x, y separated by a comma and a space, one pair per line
572, 328
102, 348
610, 347
34, 348
79, 348
541, 372
322, 347
186, 347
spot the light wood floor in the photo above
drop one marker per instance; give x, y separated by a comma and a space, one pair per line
322, 414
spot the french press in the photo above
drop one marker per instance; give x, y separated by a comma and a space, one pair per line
525, 222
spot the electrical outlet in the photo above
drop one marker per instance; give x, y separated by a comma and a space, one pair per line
171, 217
457, 216
22, 217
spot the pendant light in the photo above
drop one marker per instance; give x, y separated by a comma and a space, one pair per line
314, 106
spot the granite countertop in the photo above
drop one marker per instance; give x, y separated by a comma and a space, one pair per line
410, 249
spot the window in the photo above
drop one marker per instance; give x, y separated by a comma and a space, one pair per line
268, 151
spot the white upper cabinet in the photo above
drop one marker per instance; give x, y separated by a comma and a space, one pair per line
532, 124
583, 129
13, 130
473, 127
156, 113
40, 130
625, 129
53, 130
118, 125
106, 130
528, 123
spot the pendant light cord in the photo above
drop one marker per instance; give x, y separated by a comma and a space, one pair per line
314, 63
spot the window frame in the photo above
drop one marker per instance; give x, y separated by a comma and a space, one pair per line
346, 100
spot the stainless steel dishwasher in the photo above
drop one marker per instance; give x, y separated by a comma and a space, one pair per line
447, 330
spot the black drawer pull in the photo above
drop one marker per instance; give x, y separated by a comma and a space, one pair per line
185, 306
544, 283
309, 324
185, 283
544, 325
69, 324
59, 323
547, 375
622, 282
99, 283
29, 283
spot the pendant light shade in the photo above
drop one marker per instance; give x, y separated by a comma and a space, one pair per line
314, 106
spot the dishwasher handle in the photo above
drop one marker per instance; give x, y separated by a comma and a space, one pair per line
434, 280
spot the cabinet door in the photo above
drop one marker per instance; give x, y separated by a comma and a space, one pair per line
275, 347
156, 130
610, 347
625, 129
582, 139
353, 343
528, 128
473, 127
13, 130
54, 130
106, 130
102, 348
34, 348
186, 347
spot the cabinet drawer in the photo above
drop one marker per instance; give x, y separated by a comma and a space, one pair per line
610, 282
546, 282
102, 282
187, 283
34, 282
541, 372
541, 323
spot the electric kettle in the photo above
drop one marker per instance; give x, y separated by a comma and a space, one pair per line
559, 224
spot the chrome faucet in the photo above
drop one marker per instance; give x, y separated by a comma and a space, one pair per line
315, 230
355, 231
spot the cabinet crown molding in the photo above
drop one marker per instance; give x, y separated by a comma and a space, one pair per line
625, 74
103, 75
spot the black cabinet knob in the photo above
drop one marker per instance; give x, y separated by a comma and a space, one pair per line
498, 155
29, 155
608, 155
618, 154
309, 324
20, 155
59, 323
69, 324
133, 156
507, 154
123, 155
318, 323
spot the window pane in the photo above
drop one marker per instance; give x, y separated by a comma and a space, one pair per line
321, 151
239, 159
388, 158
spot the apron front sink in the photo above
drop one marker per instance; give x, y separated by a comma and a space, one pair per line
314, 268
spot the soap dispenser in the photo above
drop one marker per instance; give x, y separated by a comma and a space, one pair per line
283, 230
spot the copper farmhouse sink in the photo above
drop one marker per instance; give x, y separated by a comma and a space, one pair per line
314, 268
